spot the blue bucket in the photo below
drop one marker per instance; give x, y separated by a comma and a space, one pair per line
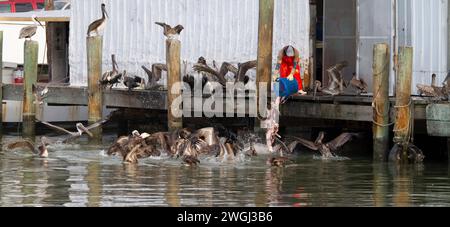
285, 87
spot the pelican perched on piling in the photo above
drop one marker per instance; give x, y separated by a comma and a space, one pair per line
29, 31
170, 32
99, 25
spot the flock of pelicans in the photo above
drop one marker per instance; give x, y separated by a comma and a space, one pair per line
189, 145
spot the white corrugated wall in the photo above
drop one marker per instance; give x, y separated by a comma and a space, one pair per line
221, 30
423, 25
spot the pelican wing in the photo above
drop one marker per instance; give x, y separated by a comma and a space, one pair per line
23, 144
303, 142
205, 69
243, 69
340, 141
57, 128
28, 32
94, 25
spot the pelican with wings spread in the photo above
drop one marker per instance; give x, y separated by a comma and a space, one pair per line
326, 149
81, 129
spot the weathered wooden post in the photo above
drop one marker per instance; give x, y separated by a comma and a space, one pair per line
30, 74
95, 100
49, 5
173, 60
265, 45
381, 66
403, 119
1, 82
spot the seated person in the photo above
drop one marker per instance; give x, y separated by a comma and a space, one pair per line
288, 66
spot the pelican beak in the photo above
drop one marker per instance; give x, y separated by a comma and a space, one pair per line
104, 11
38, 22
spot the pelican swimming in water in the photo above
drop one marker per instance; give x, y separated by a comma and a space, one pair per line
99, 25
30, 31
170, 32
40, 150
325, 149
279, 161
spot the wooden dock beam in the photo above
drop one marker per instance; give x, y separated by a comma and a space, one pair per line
403, 122
265, 44
1, 82
95, 97
30, 77
381, 66
173, 60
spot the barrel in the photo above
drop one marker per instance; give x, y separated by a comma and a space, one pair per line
285, 87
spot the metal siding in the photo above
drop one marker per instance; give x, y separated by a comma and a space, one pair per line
339, 36
216, 29
424, 27
374, 26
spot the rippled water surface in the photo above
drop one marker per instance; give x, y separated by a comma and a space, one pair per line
82, 175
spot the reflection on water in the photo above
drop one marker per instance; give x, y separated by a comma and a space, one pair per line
83, 176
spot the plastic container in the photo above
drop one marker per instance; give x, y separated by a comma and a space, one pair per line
18, 76
285, 87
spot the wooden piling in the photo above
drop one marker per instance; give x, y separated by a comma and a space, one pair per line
95, 100
173, 48
30, 77
403, 122
381, 66
265, 42
49, 5
1, 82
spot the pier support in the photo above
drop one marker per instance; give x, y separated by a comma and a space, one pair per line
1, 83
265, 43
403, 122
381, 66
95, 100
30, 77
173, 49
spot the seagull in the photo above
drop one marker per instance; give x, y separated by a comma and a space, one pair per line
170, 32
99, 25
40, 150
30, 31
325, 149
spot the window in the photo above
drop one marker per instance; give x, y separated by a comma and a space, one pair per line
24, 7
5, 8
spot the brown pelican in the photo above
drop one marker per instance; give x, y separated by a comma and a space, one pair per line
113, 77
99, 25
154, 75
414, 154
243, 69
132, 81
170, 32
439, 93
325, 149
30, 31
279, 161
81, 129
40, 150
359, 84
